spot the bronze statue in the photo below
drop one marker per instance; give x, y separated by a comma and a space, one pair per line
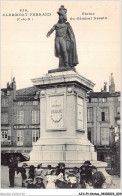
65, 44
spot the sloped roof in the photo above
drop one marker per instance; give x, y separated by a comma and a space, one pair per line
103, 94
26, 93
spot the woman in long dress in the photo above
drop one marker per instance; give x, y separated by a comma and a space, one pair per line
51, 179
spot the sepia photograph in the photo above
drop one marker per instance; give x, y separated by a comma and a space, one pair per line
60, 97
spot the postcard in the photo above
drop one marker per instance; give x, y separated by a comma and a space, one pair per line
60, 98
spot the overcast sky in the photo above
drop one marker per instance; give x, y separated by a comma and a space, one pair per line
27, 53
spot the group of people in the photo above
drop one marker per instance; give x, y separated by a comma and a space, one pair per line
86, 176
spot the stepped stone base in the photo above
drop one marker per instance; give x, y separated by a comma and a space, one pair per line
63, 150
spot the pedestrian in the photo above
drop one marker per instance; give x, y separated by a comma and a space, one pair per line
31, 172
98, 179
23, 174
82, 176
62, 168
49, 170
57, 170
51, 179
30, 183
77, 174
88, 172
39, 183
12, 167
61, 182
39, 170
73, 180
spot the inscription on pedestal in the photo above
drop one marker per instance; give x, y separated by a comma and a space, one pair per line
80, 113
55, 112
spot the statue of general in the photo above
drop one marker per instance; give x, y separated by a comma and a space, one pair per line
65, 44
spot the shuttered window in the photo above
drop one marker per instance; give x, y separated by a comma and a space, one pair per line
4, 103
35, 117
90, 114
19, 137
104, 136
35, 135
20, 117
4, 118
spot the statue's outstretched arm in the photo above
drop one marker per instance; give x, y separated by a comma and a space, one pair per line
51, 31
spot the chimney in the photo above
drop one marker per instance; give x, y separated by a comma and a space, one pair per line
111, 84
105, 86
8, 85
14, 87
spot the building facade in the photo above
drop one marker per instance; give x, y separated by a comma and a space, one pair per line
103, 119
20, 119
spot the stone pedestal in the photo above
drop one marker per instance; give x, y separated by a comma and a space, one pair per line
63, 120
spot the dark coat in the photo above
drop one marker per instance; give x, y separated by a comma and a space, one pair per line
23, 173
83, 175
73, 61
98, 179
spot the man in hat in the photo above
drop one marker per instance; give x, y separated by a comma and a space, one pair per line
97, 178
62, 168
65, 45
12, 166
88, 171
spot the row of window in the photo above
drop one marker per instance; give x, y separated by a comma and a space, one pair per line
104, 114
104, 135
6, 136
100, 99
4, 103
21, 117
35, 115
22, 103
